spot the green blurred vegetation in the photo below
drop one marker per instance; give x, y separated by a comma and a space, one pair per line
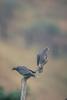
15, 95
2, 94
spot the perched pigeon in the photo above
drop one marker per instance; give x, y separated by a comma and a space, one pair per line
27, 73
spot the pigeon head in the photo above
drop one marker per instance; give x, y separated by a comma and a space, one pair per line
14, 68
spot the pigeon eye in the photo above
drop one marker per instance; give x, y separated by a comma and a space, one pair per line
45, 57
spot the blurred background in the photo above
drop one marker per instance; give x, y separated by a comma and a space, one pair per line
27, 26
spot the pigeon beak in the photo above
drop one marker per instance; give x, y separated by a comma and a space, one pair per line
13, 68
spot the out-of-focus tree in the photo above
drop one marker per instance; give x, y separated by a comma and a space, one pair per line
6, 13
41, 32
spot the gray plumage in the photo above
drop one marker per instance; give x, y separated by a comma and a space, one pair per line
42, 58
27, 73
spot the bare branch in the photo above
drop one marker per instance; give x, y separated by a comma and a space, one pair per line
23, 89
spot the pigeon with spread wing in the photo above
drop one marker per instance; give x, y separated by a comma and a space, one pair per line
42, 58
